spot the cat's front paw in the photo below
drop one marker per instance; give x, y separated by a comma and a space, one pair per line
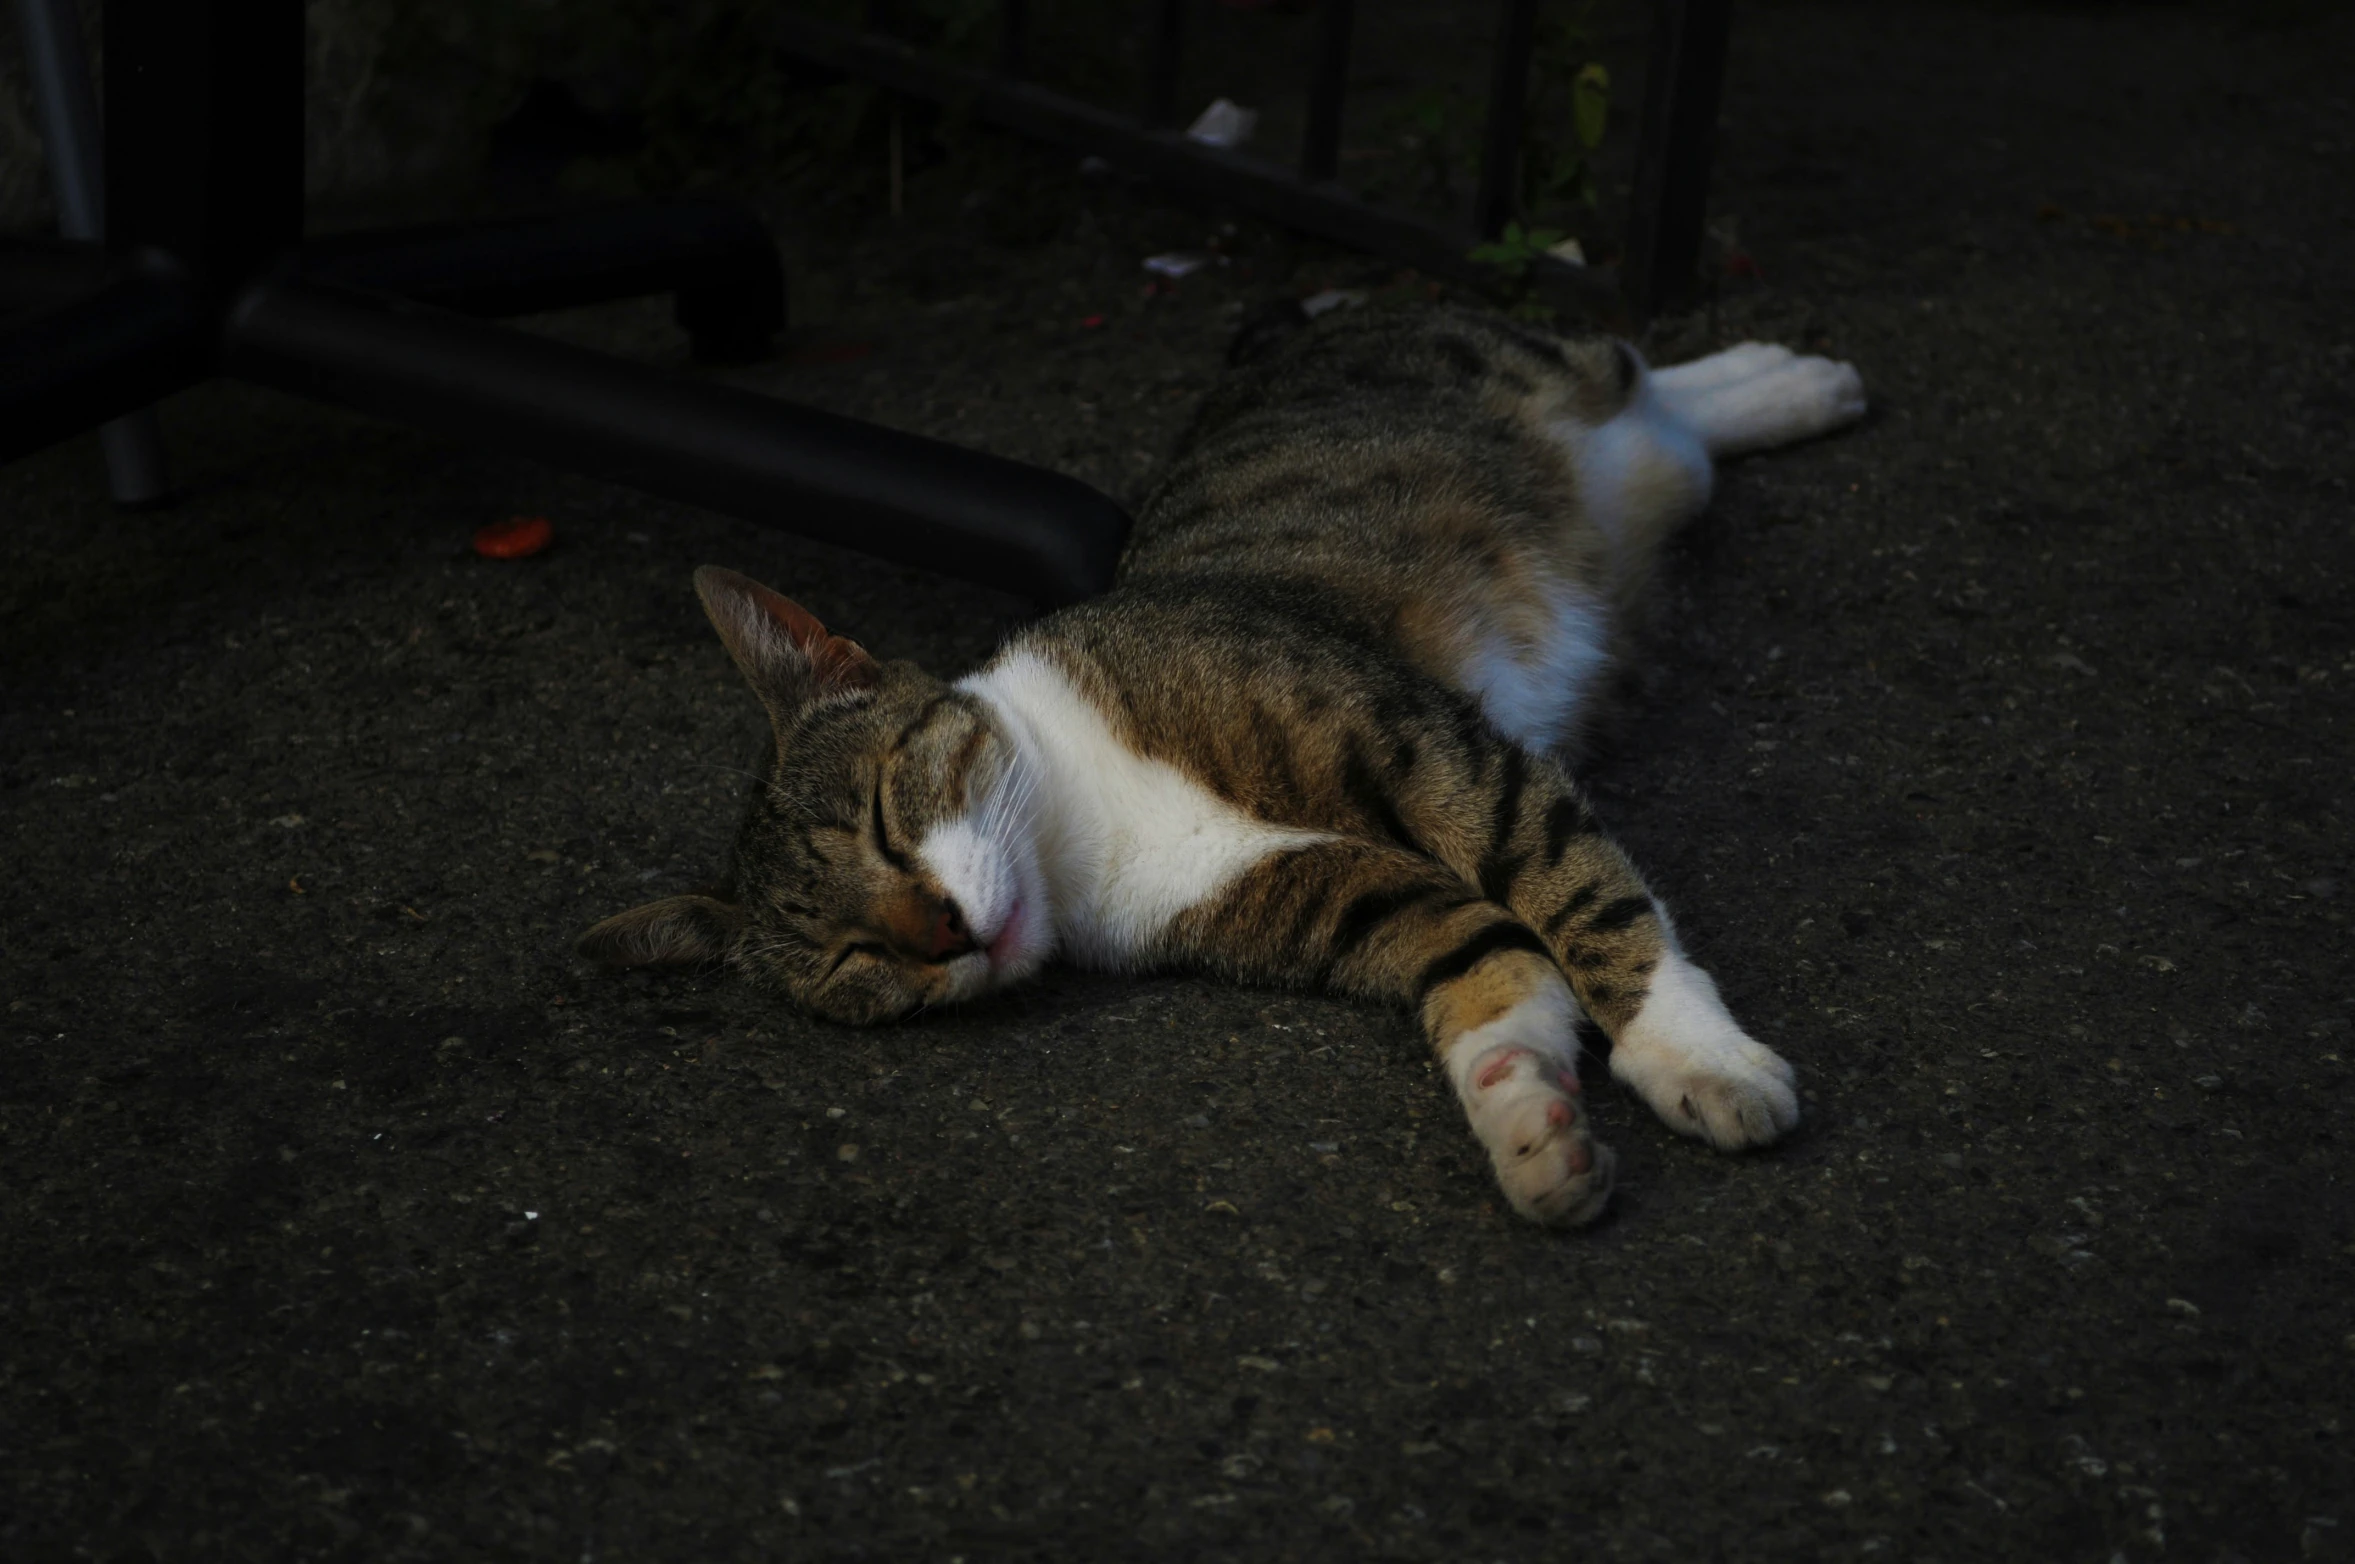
1528, 1112
1742, 1094
1699, 1070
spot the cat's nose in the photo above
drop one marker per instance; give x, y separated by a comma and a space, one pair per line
950, 937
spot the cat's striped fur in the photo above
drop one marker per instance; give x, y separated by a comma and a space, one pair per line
1318, 733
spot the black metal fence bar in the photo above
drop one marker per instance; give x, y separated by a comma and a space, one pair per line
1670, 196
1164, 48
1014, 37
1328, 86
1508, 112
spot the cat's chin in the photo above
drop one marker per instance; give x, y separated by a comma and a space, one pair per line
1021, 945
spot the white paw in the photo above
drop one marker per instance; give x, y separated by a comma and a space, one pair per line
1739, 362
1699, 1070
1822, 394
1758, 396
1740, 1096
1749, 357
1527, 1110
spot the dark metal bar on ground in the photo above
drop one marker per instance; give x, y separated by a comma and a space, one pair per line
921, 502
716, 257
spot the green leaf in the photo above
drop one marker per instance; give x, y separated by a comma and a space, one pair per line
1590, 104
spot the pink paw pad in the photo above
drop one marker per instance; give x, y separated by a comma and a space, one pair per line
1499, 1067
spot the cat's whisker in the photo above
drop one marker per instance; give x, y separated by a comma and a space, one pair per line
1010, 804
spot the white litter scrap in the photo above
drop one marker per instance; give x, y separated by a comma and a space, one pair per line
1568, 250
1178, 263
1332, 299
1224, 124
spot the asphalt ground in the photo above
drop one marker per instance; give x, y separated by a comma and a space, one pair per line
1993, 754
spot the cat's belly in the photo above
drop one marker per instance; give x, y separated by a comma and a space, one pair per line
1531, 670
1125, 843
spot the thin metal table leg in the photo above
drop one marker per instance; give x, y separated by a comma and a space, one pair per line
68, 112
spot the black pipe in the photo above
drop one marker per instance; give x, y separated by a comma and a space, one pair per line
901, 497
716, 256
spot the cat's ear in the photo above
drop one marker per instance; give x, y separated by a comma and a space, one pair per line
677, 931
786, 655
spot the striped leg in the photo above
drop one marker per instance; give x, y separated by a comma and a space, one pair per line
1385, 923
1546, 857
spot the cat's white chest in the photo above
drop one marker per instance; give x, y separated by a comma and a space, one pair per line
1126, 843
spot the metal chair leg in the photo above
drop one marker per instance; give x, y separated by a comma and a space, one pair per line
68, 112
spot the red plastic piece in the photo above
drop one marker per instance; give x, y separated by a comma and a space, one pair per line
518, 537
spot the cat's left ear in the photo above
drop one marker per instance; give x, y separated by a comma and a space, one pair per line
677, 931
786, 655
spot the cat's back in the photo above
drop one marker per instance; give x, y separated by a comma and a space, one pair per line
1401, 487
1376, 440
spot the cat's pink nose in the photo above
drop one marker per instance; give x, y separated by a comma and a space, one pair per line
950, 937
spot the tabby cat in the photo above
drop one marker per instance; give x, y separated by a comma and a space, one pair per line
1320, 730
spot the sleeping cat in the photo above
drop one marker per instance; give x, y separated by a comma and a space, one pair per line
1318, 732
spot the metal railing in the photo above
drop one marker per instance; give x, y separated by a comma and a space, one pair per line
1667, 196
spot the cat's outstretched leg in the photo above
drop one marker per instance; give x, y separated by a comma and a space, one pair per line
1517, 1077
1385, 923
1686, 1056
1757, 395
1544, 855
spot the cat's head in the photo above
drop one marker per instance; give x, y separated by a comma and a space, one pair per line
886, 861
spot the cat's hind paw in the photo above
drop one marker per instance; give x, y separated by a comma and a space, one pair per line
1756, 397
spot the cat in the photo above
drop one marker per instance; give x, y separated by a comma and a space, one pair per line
1319, 730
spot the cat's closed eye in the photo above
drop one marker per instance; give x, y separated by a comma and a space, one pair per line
871, 949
